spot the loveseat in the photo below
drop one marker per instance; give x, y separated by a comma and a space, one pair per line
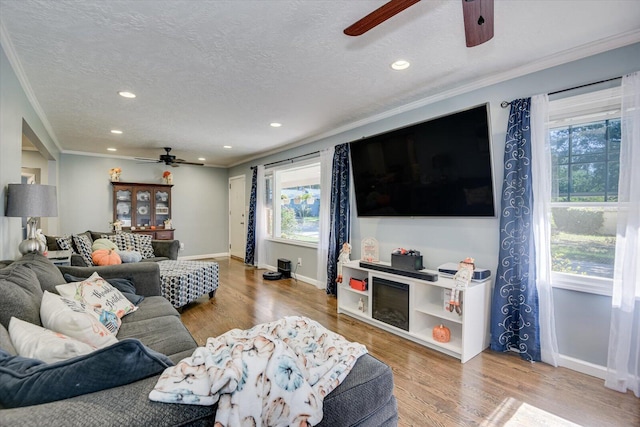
365, 397
162, 249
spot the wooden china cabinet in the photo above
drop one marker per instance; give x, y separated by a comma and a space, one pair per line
143, 208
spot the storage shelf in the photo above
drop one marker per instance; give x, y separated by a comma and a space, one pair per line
469, 331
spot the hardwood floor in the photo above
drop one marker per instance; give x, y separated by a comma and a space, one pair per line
432, 389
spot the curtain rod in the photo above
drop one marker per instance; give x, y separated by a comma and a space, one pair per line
291, 159
505, 104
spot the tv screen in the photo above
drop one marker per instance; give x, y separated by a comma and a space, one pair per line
437, 168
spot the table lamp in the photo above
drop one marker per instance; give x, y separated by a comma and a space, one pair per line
31, 201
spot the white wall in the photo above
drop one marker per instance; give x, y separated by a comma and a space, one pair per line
199, 199
445, 240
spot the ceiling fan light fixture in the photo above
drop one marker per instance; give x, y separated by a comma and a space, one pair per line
400, 65
126, 94
116, 131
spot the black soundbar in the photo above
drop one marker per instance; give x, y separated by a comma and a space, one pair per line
416, 274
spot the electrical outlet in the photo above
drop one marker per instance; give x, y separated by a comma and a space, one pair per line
300, 262
181, 246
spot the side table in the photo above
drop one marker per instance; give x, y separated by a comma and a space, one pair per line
59, 257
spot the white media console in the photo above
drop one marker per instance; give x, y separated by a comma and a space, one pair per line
469, 331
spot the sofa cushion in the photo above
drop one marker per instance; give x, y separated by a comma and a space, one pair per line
20, 295
124, 285
83, 243
25, 381
165, 334
73, 319
43, 344
48, 274
150, 308
130, 256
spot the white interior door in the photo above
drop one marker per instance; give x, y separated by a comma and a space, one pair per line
237, 220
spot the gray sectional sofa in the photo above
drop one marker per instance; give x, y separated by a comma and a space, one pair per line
365, 398
162, 249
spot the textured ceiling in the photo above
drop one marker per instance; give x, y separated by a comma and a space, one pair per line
213, 73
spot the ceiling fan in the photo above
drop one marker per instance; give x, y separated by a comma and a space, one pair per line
478, 19
170, 160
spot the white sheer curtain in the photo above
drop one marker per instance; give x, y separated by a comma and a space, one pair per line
326, 167
541, 171
624, 337
261, 221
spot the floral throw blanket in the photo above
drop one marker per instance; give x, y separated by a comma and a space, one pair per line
276, 373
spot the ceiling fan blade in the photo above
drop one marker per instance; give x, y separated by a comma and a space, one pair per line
378, 16
183, 162
478, 21
146, 160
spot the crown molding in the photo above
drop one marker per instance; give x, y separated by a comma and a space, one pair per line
15, 63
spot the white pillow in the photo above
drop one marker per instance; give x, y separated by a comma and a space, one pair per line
98, 293
74, 319
36, 342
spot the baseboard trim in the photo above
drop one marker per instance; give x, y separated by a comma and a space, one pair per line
581, 366
203, 256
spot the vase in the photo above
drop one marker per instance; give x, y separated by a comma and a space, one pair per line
115, 177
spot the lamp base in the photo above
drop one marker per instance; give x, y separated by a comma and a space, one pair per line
30, 245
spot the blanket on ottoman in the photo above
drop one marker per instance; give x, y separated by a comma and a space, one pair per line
276, 373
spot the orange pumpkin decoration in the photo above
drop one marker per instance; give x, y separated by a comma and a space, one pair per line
106, 257
441, 333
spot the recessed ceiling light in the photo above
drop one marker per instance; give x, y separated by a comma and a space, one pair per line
226, 146
275, 125
125, 94
202, 159
400, 65
116, 131
111, 149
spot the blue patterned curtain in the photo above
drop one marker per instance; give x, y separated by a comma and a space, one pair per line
250, 251
514, 310
340, 213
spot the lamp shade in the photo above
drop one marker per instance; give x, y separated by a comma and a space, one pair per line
32, 200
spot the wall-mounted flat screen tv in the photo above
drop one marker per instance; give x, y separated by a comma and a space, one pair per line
437, 168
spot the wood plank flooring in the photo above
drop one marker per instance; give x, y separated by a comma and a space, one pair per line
432, 389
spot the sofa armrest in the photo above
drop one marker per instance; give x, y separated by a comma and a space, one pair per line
145, 275
166, 248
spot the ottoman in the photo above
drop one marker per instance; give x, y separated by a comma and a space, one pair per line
183, 282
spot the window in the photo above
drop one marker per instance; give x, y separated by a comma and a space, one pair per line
584, 136
293, 202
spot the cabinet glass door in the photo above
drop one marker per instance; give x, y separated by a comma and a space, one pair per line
162, 207
123, 207
143, 210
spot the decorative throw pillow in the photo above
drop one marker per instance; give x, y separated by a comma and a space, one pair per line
83, 245
136, 242
75, 320
130, 256
97, 292
48, 274
65, 243
103, 244
124, 285
142, 244
39, 343
25, 381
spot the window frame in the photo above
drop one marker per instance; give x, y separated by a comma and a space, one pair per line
272, 173
572, 110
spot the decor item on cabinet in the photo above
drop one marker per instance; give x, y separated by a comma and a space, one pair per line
441, 333
369, 251
361, 305
116, 225
343, 258
461, 280
143, 210
406, 259
114, 173
167, 177
358, 284
31, 201
167, 223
